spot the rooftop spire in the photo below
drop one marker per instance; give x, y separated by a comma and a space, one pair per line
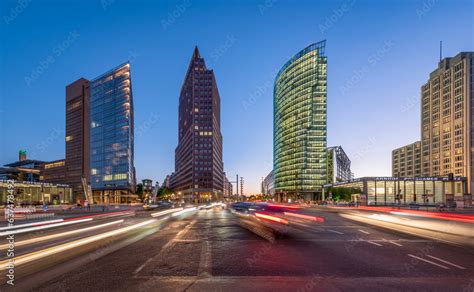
196, 54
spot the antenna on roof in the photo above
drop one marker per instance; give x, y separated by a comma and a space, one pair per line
440, 50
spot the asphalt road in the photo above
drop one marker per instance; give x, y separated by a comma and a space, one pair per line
211, 250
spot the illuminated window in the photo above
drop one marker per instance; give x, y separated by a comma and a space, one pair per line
68, 138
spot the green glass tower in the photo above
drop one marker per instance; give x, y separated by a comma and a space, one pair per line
300, 125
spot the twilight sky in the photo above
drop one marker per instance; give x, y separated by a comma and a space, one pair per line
379, 54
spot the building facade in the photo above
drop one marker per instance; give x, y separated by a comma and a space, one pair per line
300, 127
147, 186
339, 165
268, 186
22, 170
112, 137
447, 119
199, 167
54, 172
36, 193
228, 188
406, 160
78, 136
407, 190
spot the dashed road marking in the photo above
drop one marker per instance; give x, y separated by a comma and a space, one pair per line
363, 231
374, 243
395, 243
446, 262
334, 231
429, 262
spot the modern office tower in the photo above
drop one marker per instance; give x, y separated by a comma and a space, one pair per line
406, 160
339, 165
299, 126
77, 136
447, 119
198, 157
112, 137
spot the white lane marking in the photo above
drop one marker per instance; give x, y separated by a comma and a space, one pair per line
167, 246
334, 231
427, 261
395, 243
446, 262
363, 231
374, 243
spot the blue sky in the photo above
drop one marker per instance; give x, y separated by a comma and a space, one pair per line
379, 54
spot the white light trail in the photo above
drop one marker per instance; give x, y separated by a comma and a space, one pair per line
63, 247
166, 212
31, 224
183, 211
43, 238
41, 227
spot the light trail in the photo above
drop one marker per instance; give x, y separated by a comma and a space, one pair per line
31, 224
63, 247
307, 217
39, 239
271, 218
42, 227
183, 211
157, 214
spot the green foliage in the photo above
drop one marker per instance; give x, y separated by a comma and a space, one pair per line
343, 194
139, 191
163, 193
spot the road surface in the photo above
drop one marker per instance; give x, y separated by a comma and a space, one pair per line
209, 250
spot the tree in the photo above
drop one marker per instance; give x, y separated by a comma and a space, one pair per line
140, 191
343, 194
163, 193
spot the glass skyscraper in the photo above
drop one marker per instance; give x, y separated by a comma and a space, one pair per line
112, 139
300, 125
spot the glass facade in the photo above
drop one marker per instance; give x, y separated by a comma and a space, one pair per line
402, 190
112, 139
300, 94
35, 193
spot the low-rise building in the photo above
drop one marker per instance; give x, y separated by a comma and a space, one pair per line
339, 165
36, 193
406, 190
